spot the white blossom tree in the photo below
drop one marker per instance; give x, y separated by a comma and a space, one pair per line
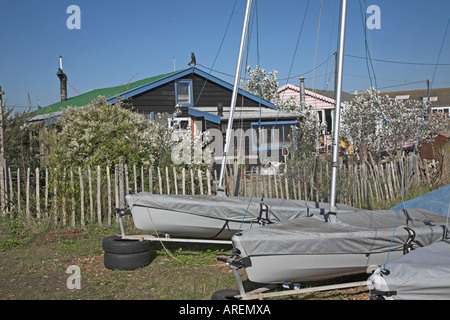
385, 125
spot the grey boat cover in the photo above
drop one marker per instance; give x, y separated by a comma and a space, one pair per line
437, 201
362, 231
231, 208
422, 274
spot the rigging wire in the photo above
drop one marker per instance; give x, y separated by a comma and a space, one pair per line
369, 58
399, 62
325, 85
276, 118
317, 46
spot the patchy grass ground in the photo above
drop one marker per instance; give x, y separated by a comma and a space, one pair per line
35, 268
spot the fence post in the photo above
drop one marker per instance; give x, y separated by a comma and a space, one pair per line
159, 180
167, 180
99, 205
108, 181
142, 179
64, 197
208, 178
81, 197
73, 197
46, 193
200, 181
150, 179
38, 202
27, 194
11, 190
192, 182
175, 180
183, 181
91, 200
55, 200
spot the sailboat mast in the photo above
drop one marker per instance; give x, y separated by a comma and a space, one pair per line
234, 97
335, 150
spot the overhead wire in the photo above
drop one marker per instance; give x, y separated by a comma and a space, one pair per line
370, 67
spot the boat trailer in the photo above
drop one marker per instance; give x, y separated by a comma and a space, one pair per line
293, 288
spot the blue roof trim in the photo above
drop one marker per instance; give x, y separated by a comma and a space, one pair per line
149, 86
180, 74
230, 87
208, 116
276, 123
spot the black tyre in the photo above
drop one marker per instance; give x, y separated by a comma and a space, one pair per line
225, 294
130, 261
117, 245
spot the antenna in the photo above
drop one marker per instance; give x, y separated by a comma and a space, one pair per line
60, 62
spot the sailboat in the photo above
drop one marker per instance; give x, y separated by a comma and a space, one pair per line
335, 244
423, 273
216, 216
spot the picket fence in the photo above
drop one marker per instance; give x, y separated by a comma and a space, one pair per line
77, 197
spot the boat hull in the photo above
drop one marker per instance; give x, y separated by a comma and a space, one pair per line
311, 267
311, 249
181, 224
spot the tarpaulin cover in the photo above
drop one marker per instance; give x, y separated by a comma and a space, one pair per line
422, 274
362, 231
437, 201
231, 208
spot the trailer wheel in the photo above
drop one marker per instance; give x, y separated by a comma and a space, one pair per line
225, 294
130, 261
117, 245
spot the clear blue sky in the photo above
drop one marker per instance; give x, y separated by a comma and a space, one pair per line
121, 41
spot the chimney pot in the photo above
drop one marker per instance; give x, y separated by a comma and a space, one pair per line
302, 93
62, 81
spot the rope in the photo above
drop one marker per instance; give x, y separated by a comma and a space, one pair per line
160, 241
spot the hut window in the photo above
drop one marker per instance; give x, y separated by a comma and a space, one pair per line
183, 93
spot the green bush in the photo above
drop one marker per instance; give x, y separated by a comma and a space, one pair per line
100, 133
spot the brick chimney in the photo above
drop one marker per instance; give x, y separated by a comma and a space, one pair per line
62, 81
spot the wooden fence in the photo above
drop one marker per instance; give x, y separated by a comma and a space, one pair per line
76, 197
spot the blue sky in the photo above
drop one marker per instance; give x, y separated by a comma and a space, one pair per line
121, 41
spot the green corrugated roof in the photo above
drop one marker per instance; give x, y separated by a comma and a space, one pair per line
87, 97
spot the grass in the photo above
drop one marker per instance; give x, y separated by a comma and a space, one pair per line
34, 266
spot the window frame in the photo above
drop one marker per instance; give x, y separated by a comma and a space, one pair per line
190, 93
255, 126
